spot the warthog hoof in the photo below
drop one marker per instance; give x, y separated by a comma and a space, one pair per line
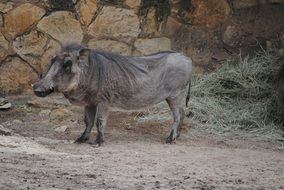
96, 144
170, 140
81, 139
99, 140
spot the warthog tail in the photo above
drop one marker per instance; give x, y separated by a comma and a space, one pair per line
188, 94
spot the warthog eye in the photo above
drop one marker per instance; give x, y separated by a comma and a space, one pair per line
67, 65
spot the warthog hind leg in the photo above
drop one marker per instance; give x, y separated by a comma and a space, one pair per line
90, 113
102, 114
178, 116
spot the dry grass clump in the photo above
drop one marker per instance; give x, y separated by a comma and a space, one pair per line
240, 95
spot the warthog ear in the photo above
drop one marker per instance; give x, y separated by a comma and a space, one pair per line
83, 53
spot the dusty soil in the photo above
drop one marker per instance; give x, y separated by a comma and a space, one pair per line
38, 153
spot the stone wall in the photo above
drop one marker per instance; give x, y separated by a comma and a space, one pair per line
31, 31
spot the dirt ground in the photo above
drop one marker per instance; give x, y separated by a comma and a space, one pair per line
37, 152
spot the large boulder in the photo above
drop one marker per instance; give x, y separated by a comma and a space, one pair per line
115, 22
153, 45
87, 10
36, 49
111, 46
30, 46
62, 26
20, 19
15, 75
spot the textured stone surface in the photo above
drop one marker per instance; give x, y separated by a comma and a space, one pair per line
115, 22
62, 26
5, 7
15, 76
3, 47
30, 45
210, 13
148, 46
150, 24
111, 46
172, 26
134, 4
87, 10
36, 49
50, 50
18, 20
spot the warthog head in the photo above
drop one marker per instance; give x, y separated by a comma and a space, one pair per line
63, 73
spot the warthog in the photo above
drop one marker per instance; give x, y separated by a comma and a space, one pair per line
100, 81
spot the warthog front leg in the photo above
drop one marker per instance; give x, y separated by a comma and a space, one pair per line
101, 120
90, 113
178, 116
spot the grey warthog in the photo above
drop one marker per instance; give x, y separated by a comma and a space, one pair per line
100, 81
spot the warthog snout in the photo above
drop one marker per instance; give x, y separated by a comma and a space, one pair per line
41, 91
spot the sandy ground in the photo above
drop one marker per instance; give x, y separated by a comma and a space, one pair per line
37, 152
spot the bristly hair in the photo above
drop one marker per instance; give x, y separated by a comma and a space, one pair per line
111, 67
70, 47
